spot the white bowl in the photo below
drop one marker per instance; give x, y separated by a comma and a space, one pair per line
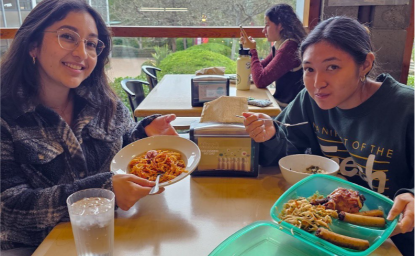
189, 150
293, 167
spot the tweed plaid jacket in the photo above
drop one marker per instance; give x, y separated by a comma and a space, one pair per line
43, 161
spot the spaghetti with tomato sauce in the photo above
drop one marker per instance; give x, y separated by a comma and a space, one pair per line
166, 162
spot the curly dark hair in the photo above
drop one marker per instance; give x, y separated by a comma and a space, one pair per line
19, 77
292, 27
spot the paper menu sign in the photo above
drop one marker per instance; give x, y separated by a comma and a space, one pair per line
225, 154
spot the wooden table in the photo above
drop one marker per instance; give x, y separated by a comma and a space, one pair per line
172, 96
190, 218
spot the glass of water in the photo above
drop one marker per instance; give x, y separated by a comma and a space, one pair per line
92, 218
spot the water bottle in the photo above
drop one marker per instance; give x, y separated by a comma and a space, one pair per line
243, 69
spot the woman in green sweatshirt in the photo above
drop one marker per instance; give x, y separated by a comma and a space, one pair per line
366, 125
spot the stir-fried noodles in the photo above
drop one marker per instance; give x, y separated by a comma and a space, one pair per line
167, 162
300, 213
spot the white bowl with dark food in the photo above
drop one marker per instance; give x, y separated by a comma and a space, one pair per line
296, 167
147, 150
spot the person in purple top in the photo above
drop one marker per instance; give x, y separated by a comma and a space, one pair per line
282, 65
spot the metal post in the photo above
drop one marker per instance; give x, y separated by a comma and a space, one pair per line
19, 12
108, 13
4, 14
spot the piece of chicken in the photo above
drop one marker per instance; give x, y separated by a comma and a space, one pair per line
342, 199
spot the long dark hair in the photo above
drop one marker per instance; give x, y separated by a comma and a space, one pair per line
292, 27
19, 77
344, 33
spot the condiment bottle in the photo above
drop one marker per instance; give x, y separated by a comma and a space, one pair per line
243, 69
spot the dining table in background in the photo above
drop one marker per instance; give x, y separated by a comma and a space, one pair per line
172, 96
190, 218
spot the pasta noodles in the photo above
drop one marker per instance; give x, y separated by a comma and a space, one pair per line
313, 169
167, 162
300, 213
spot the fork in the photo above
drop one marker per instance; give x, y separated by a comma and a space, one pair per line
285, 124
156, 187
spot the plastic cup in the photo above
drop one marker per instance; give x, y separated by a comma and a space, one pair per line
92, 218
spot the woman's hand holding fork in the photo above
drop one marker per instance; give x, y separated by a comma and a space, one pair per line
260, 127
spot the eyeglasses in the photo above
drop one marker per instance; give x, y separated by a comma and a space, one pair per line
69, 40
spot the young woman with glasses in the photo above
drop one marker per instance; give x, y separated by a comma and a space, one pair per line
365, 124
61, 123
282, 65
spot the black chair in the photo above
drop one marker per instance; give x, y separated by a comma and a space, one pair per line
135, 92
151, 75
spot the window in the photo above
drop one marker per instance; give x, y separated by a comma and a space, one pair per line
129, 54
25, 5
192, 12
12, 5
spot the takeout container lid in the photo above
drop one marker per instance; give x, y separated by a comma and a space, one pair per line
266, 236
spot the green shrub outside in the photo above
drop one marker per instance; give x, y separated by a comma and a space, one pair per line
413, 52
146, 42
223, 41
146, 52
149, 62
131, 42
410, 80
116, 41
411, 71
180, 46
213, 47
116, 86
160, 54
122, 51
189, 61
263, 47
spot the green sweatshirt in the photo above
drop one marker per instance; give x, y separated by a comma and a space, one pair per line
373, 143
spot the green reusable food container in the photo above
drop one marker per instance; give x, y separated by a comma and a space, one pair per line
325, 184
270, 238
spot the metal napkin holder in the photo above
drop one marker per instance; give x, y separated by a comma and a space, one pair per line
206, 88
226, 150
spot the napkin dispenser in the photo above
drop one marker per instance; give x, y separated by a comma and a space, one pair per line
226, 150
208, 87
